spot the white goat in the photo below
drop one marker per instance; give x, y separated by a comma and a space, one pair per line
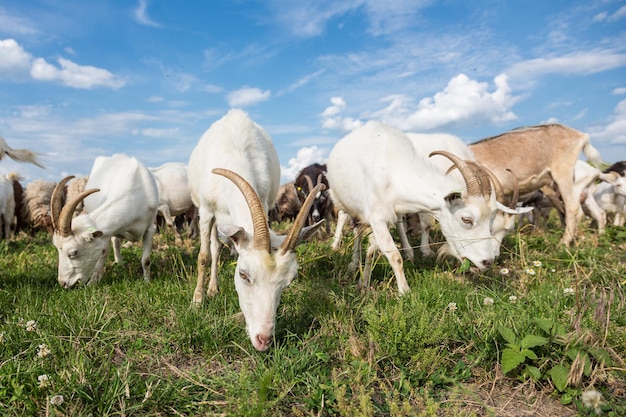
237, 148
123, 206
606, 197
425, 144
375, 175
174, 194
7, 206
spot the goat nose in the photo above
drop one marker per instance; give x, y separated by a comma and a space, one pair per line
487, 262
264, 341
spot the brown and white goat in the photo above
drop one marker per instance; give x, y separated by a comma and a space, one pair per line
538, 155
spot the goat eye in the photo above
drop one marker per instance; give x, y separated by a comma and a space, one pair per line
72, 253
244, 276
467, 220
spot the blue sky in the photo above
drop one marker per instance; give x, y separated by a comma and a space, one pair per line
79, 79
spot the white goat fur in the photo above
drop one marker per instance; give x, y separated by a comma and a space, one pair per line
174, 193
7, 205
238, 144
375, 175
124, 208
606, 197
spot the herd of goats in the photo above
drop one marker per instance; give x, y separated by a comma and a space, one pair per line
376, 177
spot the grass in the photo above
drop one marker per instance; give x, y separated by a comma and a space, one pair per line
124, 347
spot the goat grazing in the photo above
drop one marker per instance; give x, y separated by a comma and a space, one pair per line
234, 175
425, 144
121, 200
18, 155
287, 204
538, 156
305, 181
393, 180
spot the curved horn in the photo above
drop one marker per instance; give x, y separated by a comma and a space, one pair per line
472, 181
56, 201
65, 218
319, 178
261, 231
485, 177
515, 195
309, 181
290, 241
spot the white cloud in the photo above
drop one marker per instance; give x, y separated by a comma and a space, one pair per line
614, 132
618, 15
332, 117
141, 15
73, 75
304, 157
462, 100
579, 63
16, 63
301, 82
14, 60
619, 91
14, 25
247, 96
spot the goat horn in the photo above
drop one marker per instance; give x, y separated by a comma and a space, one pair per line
56, 201
290, 241
309, 181
261, 232
319, 178
65, 218
472, 182
486, 178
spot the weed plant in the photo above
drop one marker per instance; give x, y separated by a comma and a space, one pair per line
540, 331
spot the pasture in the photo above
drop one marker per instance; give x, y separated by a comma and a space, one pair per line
543, 332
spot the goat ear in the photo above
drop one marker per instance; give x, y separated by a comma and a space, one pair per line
517, 210
93, 233
306, 233
236, 234
453, 197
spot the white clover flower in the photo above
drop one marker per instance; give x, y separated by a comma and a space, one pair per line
553, 270
488, 301
57, 399
44, 381
512, 299
31, 325
504, 271
537, 264
592, 399
569, 292
43, 351
452, 306
529, 271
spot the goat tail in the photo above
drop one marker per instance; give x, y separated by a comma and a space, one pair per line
593, 154
24, 155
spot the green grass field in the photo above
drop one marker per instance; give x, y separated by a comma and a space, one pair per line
542, 333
